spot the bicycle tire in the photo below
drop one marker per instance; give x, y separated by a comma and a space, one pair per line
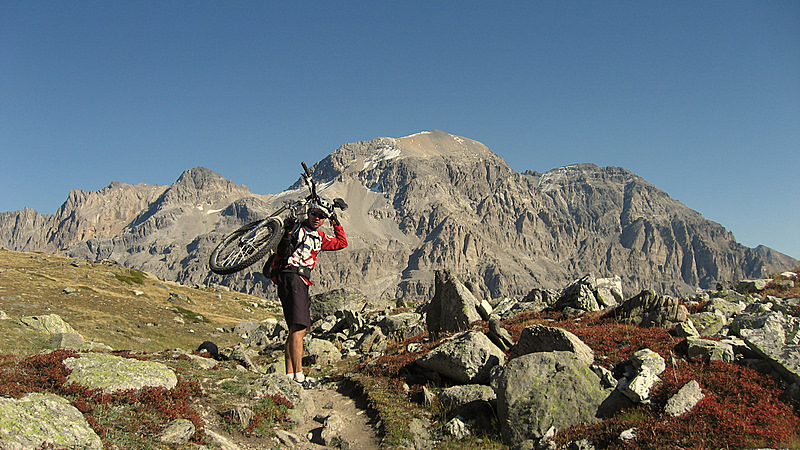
237, 251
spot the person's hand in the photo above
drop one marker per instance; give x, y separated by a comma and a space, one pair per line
334, 219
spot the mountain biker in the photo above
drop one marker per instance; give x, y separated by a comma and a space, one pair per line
290, 270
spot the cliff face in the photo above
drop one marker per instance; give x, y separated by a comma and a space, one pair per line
418, 203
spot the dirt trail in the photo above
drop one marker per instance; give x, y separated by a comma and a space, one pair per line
356, 430
331, 397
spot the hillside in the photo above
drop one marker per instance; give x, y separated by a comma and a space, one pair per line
387, 381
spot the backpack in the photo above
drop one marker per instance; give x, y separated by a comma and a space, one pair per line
286, 246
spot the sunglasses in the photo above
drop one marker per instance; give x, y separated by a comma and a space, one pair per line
318, 214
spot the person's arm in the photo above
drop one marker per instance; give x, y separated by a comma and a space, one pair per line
337, 242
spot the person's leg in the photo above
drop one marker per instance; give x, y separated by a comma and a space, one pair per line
294, 349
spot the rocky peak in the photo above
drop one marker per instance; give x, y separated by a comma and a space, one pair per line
420, 203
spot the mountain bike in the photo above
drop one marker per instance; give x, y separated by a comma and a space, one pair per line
248, 244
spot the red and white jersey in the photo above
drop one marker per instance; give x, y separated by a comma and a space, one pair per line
310, 242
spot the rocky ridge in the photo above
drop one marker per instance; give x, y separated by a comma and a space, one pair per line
418, 203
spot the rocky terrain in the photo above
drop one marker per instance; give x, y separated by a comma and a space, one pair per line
96, 355
418, 203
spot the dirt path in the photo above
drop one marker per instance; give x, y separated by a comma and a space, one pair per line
355, 431
352, 427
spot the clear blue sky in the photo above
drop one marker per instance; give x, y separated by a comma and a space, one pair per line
700, 98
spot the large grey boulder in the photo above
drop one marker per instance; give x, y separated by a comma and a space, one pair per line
329, 302
539, 338
709, 350
48, 323
321, 353
44, 421
708, 323
402, 326
540, 391
467, 400
590, 294
453, 307
465, 357
685, 399
773, 336
113, 373
649, 309
580, 295
642, 375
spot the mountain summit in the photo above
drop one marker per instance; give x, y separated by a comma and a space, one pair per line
418, 203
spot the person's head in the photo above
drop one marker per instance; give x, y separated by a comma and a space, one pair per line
318, 211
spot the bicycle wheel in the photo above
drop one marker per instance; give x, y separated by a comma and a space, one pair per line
245, 246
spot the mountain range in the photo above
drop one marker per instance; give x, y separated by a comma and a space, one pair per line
418, 203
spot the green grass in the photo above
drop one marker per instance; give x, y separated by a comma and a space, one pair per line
134, 277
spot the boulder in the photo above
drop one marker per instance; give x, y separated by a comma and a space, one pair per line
609, 291
373, 340
49, 323
453, 306
402, 326
708, 323
321, 353
685, 399
540, 391
499, 335
651, 310
642, 375
328, 303
73, 341
114, 373
773, 336
747, 286
685, 329
579, 295
709, 350
278, 384
332, 427
44, 421
467, 400
465, 357
539, 338
178, 432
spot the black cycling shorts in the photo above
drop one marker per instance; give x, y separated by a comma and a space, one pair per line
293, 292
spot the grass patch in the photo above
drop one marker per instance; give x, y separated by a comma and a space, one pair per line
134, 277
189, 314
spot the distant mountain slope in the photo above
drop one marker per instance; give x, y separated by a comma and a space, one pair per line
418, 203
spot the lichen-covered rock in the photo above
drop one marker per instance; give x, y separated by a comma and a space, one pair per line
178, 432
642, 375
538, 391
48, 323
685, 399
329, 302
113, 373
465, 357
44, 421
775, 337
651, 310
581, 295
468, 400
709, 350
539, 338
453, 307
708, 323
403, 325
321, 353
